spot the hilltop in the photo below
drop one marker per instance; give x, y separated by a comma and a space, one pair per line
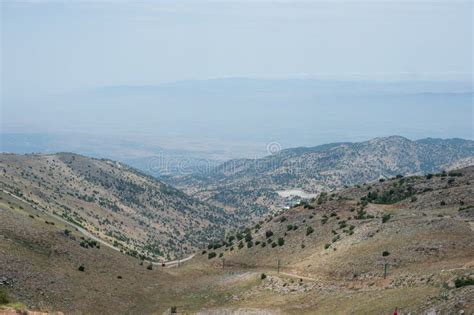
249, 187
118, 204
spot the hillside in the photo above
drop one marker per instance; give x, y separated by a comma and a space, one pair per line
332, 254
132, 211
250, 187
332, 251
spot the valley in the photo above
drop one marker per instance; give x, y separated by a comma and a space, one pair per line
404, 242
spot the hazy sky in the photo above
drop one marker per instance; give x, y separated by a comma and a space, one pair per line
53, 46
54, 51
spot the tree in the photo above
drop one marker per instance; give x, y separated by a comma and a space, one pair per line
211, 255
281, 241
248, 237
309, 230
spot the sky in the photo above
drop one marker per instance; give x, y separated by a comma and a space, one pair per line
53, 51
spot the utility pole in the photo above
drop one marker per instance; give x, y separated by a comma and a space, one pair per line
278, 268
223, 263
385, 270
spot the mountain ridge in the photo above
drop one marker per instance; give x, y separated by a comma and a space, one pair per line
319, 168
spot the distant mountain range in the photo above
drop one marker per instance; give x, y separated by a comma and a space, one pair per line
249, 186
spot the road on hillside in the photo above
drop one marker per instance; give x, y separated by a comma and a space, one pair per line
88, 234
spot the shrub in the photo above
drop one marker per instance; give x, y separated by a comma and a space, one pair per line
281, 241
268, 234
386, 217
385, 253
263, 276
463, 282
248, 237
150, 266
241, 245
81, 268
211, 255
309, 230
414, 199
429, 176
274, 245
4, 297
327, 246
289, 227
249, 244
443, 203
221, 255
204, 252
283, 219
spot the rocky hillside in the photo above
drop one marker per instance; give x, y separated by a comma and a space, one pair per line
249, 186
132, 211
408, 241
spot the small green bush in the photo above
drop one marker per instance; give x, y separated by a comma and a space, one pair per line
281, 241
309, 230
463, 282
327, 246
263, 276
211, 255
385, 253
386, 217
4, 299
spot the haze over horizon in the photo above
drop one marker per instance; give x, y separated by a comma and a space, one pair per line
232, 76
